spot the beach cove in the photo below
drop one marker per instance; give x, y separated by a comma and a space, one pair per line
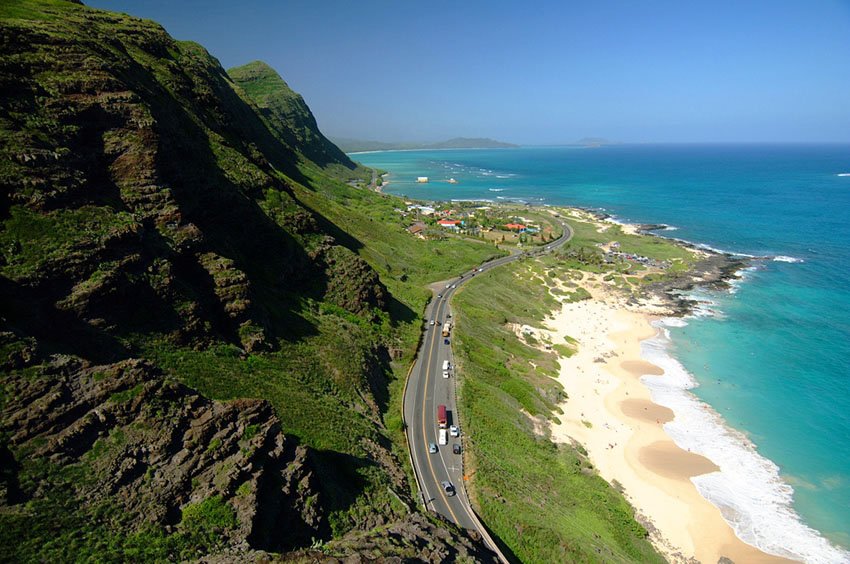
610, 412
769, 345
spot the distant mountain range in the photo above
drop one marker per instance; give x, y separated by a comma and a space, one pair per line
357, 145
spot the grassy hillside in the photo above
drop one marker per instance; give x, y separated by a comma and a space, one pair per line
154, 212
292, 121
543, 500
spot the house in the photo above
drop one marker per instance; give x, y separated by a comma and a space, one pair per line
518, 227
422, 179
424, 210
450, 223
417, 229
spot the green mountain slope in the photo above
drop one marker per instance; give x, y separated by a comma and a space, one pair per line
164, 241
291, 120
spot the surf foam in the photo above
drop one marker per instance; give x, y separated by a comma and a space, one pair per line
783, 258
748, 489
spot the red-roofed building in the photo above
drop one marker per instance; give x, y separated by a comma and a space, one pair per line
450, 223
519, 227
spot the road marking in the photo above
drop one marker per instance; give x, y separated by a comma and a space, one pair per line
427, 366
463, 499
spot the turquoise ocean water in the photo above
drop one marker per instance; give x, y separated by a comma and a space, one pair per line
760, 377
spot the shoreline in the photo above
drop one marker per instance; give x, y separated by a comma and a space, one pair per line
610, 412
700, 530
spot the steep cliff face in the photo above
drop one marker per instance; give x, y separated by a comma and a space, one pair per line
149, 454
154, 253
291, 119
135, 168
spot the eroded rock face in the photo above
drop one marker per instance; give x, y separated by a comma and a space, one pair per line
135, 178
155, 447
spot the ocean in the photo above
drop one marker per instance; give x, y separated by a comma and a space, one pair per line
759, 378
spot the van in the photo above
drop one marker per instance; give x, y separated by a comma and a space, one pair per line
444, 438
446, 365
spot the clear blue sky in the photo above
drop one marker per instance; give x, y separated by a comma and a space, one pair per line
542, 72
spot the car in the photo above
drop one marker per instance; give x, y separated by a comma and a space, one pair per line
431, 322
438, 322
448, 488
432, 448
445, 341
445, 373
454, 431
439, 295
456, 448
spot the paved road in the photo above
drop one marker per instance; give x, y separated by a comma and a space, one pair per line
427, 388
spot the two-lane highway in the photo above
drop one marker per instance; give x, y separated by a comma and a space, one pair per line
427, 388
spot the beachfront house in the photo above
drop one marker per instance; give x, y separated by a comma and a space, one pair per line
450, 223
424, 210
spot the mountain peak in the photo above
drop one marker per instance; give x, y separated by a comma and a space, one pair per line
288, 115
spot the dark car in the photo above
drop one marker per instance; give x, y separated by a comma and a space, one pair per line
456, 448
445, 341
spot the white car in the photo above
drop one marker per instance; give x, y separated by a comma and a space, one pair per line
432, 322
445, 373
454, 431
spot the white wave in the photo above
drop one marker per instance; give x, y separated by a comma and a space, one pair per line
843, 174
497, 189
670, 228
783, 258
747, 488
674, 322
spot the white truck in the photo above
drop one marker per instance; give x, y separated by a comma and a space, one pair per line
444, 438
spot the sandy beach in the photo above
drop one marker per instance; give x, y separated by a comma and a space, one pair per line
610, 412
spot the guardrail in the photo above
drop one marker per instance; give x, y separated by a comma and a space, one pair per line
482, 530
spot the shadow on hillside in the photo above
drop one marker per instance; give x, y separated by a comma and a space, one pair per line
231, 221
339, 478
30, 312
400, 312
342, 238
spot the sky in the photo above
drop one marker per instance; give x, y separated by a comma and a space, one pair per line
542, 72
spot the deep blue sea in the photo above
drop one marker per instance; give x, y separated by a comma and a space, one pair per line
771, 357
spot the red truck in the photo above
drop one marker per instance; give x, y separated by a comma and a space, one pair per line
442, 420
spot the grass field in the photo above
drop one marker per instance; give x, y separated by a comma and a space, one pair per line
543, 500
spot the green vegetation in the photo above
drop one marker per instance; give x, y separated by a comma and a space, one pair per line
30, 240
158, 208
587, 237
543, 500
